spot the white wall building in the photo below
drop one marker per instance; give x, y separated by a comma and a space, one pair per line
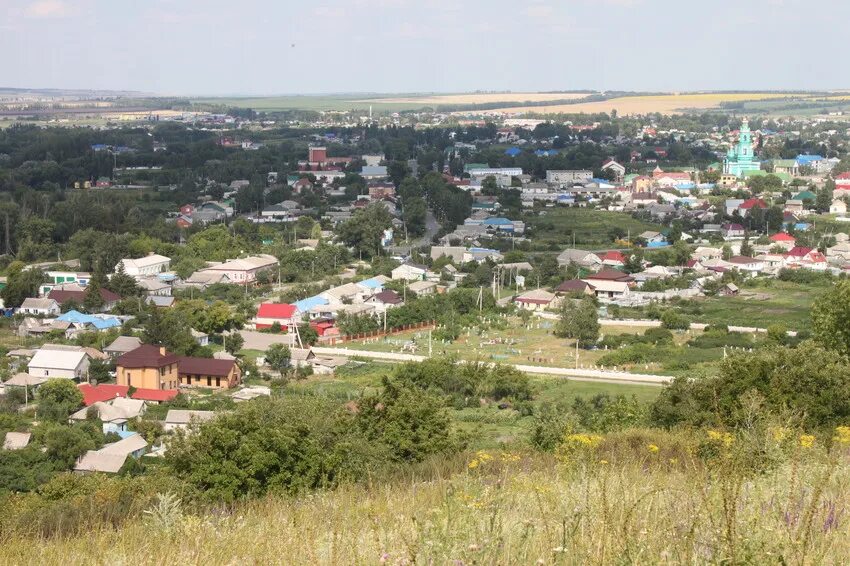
152, 264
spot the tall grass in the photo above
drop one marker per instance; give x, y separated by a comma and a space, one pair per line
624, 500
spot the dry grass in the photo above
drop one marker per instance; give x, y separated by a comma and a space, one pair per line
474, 98
664, 104
507, 510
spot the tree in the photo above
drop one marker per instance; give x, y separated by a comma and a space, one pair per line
21, 284
93, 300
278, 357
99, 371
122, 284
578, 320
831, 318
57, 399
233, 343
366, 228
726, 252
808, 381
169, 329
414, 214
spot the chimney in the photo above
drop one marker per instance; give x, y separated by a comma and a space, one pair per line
162, 350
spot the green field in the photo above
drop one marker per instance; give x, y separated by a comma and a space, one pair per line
554, 228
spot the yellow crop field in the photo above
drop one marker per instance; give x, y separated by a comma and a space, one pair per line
479, 98
664, 103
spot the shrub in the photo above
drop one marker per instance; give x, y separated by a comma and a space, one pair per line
674, 321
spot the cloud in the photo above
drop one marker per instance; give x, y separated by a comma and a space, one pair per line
47, 9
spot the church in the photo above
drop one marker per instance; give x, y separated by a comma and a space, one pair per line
740, 159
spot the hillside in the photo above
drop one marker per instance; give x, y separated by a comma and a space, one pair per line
639, 497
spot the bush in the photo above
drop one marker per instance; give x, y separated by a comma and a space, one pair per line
674, 321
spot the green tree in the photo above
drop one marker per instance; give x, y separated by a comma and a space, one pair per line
578, 320
278, 357
831, 318
58, 398
122, 284
21, 284
366, 228
233, 343
93, 300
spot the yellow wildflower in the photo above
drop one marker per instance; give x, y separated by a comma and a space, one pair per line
589, 440
473, 464
653, 448
807, 440
842, 434
603, 462
726, 438
779, 433
509, 457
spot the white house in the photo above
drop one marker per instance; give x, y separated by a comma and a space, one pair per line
536, 300
181, 419
580, 257
242, 271
746, 264
42, 307
422, 288
152, 264
838, 206
605, 289
65, 364
410, 272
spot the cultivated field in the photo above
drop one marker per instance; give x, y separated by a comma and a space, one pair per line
479, 98
664, 104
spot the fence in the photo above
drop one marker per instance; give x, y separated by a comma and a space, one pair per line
334, 340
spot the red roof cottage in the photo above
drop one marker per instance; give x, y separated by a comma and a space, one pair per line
284, 314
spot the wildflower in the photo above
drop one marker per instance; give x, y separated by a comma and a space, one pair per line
780, 433
384, 557
653, 448
807, 440
603, 462
509, 457
588, 440
842, 434
473, 547
473, 464
726, 438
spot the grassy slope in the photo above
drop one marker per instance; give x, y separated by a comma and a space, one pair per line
513, 509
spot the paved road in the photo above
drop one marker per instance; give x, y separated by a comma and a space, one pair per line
579, 374
431, 229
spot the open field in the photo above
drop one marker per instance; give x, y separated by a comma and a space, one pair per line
316, 103
769, 302
553, 230
664, 104
478, 98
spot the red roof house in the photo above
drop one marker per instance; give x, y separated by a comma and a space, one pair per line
613, 257
282, 313
782, 237
753, 203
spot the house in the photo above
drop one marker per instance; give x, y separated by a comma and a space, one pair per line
113, 414
608, 274
346, 293
423, 288
732, 230
66, 296
285, 315
838, 206
160, 302
208, 372
410, 272
573, 286
613, 259
730, 290
536, 300
609, 289
783, 240
746, 264
806, 257
795, 206
750, 204
203, 279
582, 258
112, 457
149, 265
16, 440
122, 345
386, 299
202, 338
40, 307
243, 271
618, 170
147, 367
181, 419
64, 364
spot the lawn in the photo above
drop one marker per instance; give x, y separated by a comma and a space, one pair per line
554, 228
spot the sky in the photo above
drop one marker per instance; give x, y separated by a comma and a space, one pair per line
267, 47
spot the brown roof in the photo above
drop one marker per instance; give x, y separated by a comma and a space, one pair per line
146, 356
571, 286
187, 365
388, 297
610, 275
63, 297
